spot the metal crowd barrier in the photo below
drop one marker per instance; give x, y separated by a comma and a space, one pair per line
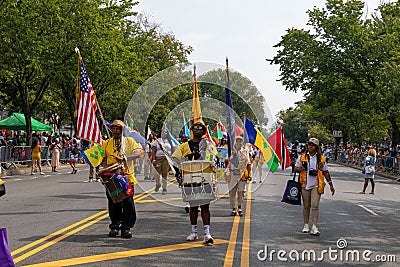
11, 155
386, 164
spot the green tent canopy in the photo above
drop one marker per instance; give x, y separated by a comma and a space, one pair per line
17, 122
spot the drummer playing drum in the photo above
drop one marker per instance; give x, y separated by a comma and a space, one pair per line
193, 150
124, 150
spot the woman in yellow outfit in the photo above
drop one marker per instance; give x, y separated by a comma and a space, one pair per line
36, 149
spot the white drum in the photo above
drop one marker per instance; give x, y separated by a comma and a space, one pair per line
199, 182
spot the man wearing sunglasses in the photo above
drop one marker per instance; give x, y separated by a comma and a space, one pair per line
313, 172
194, 150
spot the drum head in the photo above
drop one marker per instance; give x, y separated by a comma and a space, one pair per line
197, 166
111, 168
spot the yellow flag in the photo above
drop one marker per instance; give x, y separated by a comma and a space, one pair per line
93, 156
196, 109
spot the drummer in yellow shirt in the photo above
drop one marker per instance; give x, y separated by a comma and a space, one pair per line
124, 150
192, 150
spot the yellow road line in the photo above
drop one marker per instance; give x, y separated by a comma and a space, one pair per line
54, 241
230, 253
245, 260
124, 254
17, 251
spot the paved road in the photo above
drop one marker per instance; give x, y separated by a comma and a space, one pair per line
60, 220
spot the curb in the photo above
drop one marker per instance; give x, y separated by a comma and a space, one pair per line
27, 170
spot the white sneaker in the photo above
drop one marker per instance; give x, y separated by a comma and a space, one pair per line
192, 237
306, 229
314, 230
208, 239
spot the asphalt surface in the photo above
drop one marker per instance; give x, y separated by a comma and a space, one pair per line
61, 220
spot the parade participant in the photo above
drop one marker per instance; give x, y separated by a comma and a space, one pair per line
36, 149
148, 159
124, 150
192, 150
313, 169
294, 154
258, 161
238, 175
160, 147
223, 143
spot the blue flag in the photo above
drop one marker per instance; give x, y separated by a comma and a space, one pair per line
230, 119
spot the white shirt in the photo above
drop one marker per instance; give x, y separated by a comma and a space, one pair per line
312, 181
43, 140
165, 144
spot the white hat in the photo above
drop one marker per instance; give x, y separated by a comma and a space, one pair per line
314, 141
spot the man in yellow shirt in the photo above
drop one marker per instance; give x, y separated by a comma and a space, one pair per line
124, 150
192, 150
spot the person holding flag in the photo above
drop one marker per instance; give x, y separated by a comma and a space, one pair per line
238, 175
124, 150
195, 149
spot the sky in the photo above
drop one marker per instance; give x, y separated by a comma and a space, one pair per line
243, 31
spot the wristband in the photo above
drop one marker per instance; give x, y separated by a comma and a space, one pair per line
330, 182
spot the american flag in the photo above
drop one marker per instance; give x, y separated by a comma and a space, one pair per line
87, 125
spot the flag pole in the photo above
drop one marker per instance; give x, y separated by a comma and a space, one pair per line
77, 97
102, 119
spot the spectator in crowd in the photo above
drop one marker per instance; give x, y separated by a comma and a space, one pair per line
55, 154
2, 141
327, 153
36, 149
74, 153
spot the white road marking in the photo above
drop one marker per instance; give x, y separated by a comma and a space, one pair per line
395, 187
385, 184
367, 209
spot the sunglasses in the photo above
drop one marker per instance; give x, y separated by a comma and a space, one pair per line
198, 127
312, 144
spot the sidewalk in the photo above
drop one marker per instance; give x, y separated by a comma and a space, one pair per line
26, 170
381, 174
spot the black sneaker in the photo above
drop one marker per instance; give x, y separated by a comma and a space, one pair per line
126, 233
113, 233
164, 191
157, 187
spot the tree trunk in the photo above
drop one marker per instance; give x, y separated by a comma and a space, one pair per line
28, 129
395, 132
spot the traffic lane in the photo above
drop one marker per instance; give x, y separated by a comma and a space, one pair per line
279, 224
152, 230
34, 208
158, 225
